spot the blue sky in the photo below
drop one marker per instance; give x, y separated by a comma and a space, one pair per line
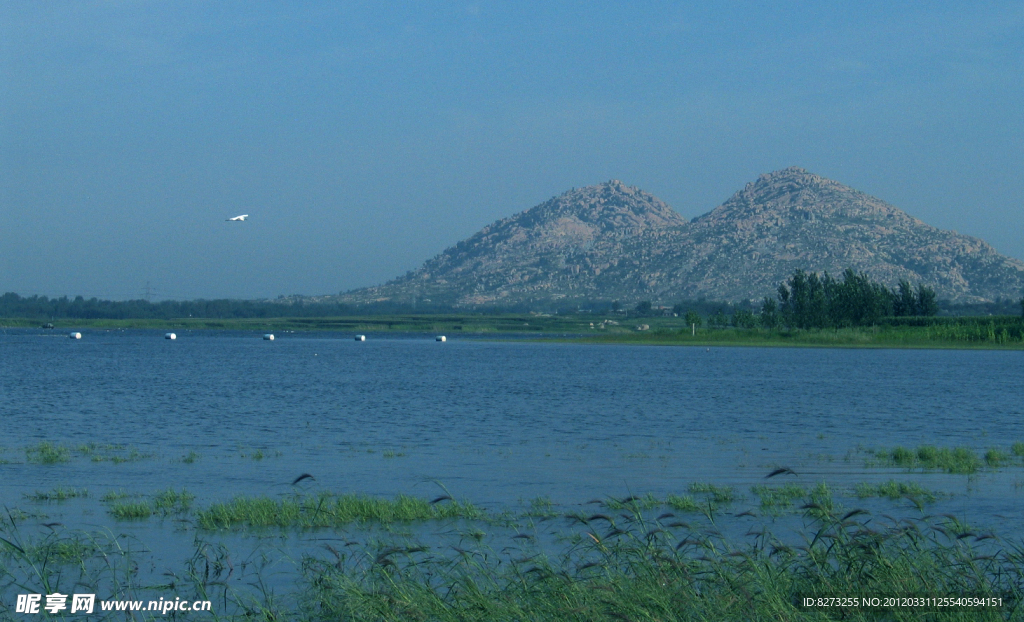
363, 141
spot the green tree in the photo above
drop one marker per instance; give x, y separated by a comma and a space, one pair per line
926, 303
643, 308
769, 314
693, 318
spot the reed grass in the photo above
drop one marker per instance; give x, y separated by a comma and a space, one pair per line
642, 570
327, 510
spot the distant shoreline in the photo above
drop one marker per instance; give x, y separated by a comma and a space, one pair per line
988, 333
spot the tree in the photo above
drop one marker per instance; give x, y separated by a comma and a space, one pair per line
718, 320
905, 302
926, 303
742, 318
769, 314
643, 308
693, 318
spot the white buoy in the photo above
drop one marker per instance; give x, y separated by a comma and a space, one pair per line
268, 337
170, 336
441, 338
360, 337
75, 335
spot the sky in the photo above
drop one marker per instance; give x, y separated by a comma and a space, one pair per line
364, 138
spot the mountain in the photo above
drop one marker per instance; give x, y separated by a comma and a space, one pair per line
617, 242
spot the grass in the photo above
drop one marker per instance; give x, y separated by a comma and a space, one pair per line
190, 457
164, 503
637, 568
777, 497
47, 453
59, 493
957, 460
895, 490
130, 510
654, 571
328, 510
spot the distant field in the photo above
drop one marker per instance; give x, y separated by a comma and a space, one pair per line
1002, 332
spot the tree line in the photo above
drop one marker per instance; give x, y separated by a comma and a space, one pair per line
809, 300
43, 308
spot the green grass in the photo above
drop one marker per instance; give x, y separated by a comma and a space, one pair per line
47, 453
115, 495
957, 460
720, 495
895, 490
638, 568
190, 457
327, 510
778, 497
639, 571
130, 510
172, 501
59, 493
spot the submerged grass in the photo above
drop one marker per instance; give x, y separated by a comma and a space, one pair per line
59, 493
957, 460
327, 510
895, 490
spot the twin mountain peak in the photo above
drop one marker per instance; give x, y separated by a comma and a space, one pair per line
616, 242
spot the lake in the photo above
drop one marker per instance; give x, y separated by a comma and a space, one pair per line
495, 422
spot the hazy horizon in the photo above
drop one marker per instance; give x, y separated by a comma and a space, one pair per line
363, 142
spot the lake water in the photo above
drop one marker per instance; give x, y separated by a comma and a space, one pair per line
494, 422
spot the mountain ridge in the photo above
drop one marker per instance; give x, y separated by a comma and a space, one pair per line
611, 241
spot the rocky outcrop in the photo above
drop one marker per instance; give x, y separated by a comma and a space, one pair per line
616, 242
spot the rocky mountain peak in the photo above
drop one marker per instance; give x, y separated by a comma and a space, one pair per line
611, 241
610, 206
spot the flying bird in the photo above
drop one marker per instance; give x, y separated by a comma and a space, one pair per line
238, 218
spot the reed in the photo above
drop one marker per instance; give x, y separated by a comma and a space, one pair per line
327, 510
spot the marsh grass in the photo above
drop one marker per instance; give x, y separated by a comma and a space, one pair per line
47, 453
648, 570
59, 493
130, 510
190, 457
54, 453
895, 490
115, 495
327, 510
719, 495
956, 460
165, 503
779, 497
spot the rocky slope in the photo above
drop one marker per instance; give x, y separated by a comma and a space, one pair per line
616, 242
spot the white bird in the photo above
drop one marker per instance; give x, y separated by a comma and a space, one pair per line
239, 218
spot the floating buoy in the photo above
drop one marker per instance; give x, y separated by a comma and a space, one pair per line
170, 336
360, 337
441, 338
75, 335
268, 337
